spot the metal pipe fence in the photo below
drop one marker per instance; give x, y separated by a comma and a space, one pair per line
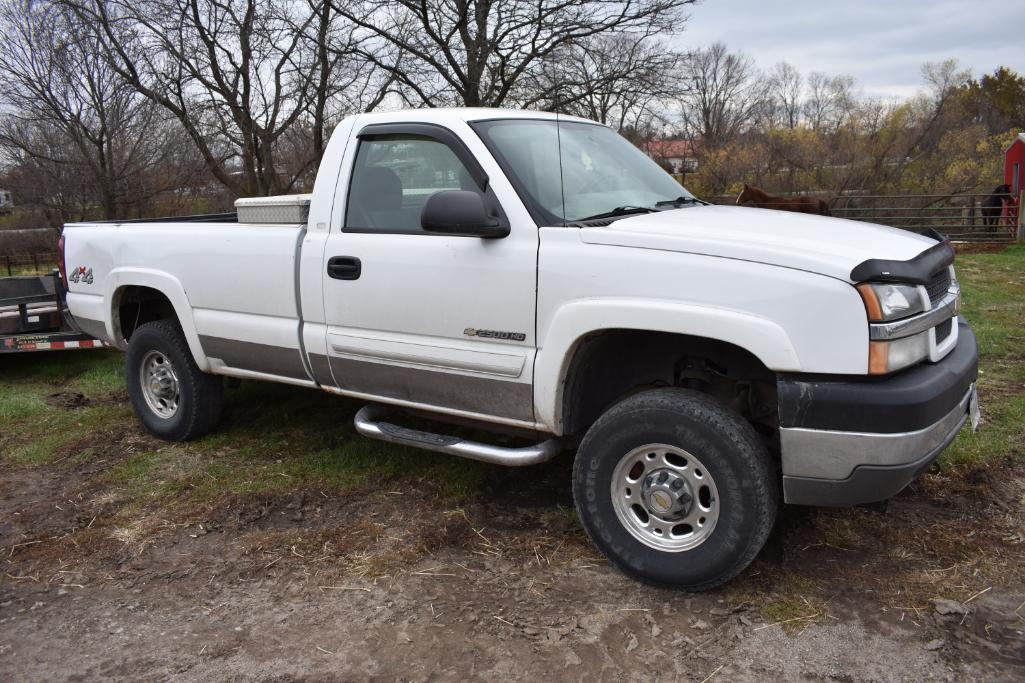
962, 217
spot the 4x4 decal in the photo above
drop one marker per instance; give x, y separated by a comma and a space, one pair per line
82, 274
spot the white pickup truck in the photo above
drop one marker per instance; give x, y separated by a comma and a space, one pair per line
537, 273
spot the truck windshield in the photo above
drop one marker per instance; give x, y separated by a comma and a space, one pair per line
599, 173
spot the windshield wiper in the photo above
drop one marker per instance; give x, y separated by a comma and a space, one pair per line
678, 201
618, 211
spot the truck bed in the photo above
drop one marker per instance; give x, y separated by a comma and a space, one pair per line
234, 284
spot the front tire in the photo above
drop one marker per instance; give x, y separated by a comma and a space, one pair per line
675, 489
172, 397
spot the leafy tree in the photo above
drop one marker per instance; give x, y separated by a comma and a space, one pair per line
996, 100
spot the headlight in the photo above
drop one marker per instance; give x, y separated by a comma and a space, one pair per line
890, 356
885, 302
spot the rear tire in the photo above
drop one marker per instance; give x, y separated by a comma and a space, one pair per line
675, 489
172, 397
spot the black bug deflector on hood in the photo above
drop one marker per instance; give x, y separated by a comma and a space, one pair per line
918, 270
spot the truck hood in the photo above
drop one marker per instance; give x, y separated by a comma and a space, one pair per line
829, 246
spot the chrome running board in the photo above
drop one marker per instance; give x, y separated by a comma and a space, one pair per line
370, 422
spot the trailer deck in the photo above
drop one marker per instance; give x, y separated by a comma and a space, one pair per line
34, 317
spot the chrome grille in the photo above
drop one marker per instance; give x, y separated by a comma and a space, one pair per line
938, 285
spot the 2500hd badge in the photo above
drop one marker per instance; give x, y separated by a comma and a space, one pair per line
494, 334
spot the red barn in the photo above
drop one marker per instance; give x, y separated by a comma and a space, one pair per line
679, 156
1014, 161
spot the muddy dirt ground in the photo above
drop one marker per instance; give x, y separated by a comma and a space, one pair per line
395, 582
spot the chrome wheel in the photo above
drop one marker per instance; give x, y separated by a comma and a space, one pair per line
665, 497
159, 384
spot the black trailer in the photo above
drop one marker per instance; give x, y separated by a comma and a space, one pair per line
34, 316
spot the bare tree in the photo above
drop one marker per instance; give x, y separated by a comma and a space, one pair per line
237, 74
621, 80
342, 82
785, 86
829, 101
724, 97
944, 78
484, 52
78, 137
943, 81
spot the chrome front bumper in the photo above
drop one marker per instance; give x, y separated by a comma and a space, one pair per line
850, 440
827, 454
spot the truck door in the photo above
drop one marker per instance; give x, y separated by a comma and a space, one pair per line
426, 319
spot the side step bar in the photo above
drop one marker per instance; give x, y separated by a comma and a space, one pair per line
370, 422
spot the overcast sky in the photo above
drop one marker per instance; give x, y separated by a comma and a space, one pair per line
882, 43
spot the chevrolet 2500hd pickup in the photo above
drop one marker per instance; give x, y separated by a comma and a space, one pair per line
537, 273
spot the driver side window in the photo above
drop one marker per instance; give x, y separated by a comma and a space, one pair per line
392, 178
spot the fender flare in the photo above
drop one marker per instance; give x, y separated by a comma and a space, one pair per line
170, 287
574, 321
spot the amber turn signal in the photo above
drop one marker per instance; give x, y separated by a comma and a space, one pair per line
872, 307
878, 357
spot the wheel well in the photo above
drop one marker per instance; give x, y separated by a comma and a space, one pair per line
613, 364
135, 305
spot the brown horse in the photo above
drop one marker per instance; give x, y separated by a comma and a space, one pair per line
767, 201
993, 205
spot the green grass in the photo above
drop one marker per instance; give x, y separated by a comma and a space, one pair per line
993, 287
88, 372
34, 432
273, 437
43, 269
278, 438
281, 437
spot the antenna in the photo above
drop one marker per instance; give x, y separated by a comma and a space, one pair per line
558, 139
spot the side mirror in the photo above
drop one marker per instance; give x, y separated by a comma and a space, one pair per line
460, 212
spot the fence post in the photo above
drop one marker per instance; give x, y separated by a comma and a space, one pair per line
35, 263
9, 271
1021, 219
